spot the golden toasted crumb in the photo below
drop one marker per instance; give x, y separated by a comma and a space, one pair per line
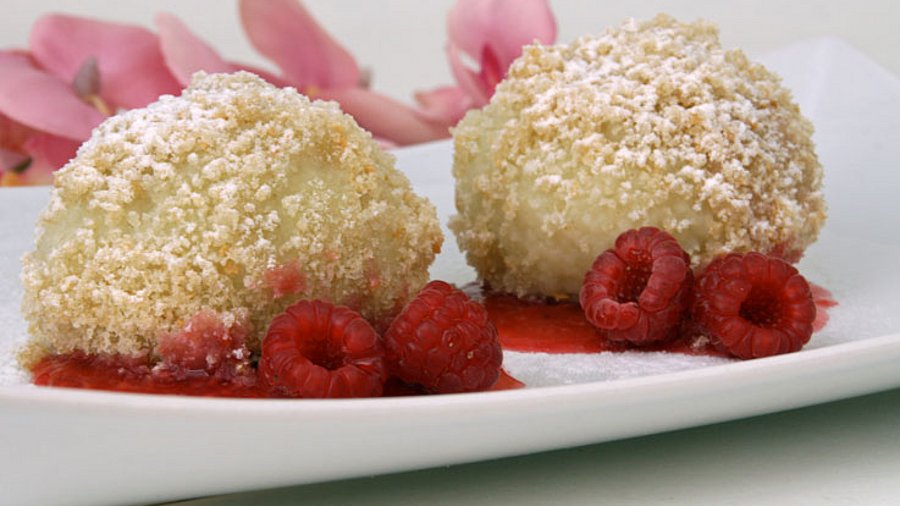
237, 198
651, 123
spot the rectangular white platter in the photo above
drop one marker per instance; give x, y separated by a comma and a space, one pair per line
61, 446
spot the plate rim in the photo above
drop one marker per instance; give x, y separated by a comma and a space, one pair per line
807, 363
861, 349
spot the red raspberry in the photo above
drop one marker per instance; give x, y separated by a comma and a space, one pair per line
638, 290
317, 349
753, 305
444, 342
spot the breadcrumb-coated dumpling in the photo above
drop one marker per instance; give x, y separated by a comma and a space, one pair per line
233, 200
651, 123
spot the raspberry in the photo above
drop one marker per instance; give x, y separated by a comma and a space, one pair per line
317, 349
753, 305
444, 342
638, 290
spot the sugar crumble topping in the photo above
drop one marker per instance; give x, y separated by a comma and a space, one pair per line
182, 207
650, 123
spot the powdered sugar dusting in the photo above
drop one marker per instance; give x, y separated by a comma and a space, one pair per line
182, 207
18, 210
649, 123
866, 292
10, 372
542, 369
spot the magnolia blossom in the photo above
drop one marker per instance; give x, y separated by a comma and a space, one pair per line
313, 62
78, 71
308, 58
490, 33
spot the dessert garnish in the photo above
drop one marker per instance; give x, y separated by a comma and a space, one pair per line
444, 342
748, 305
753, 305
638, 290
743, 306
317, 350
441, 342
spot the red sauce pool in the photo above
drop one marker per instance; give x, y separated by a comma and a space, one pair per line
558, 327
123, 374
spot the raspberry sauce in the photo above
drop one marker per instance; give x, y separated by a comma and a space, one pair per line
529, 326
560, 327
123, 374
824, 300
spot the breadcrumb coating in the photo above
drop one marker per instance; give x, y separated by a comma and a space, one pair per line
651, 123
236, 198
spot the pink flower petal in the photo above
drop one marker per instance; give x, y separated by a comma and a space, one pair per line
47, 153
492, 72
184, 52
470, 81
286, 33
385, 144
446, 105
38, 100
38, 172
13, 134
132, 70
9, 160
265, 74
504, 25
55, 151
385, 117
469, 25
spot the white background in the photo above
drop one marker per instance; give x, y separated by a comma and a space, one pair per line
402, 41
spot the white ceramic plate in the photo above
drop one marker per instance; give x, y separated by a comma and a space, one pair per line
60, 446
